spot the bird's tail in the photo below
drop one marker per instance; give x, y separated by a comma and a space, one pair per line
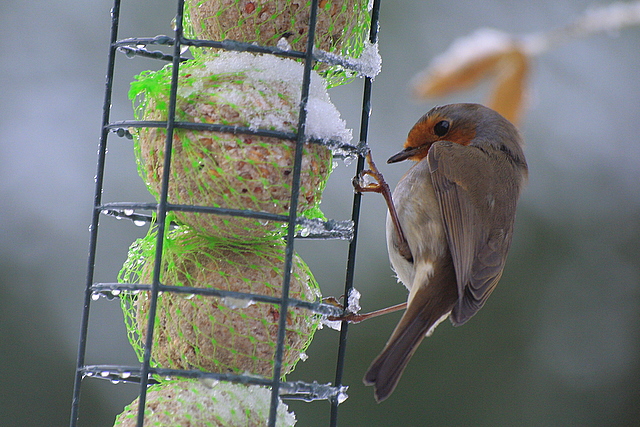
428, 307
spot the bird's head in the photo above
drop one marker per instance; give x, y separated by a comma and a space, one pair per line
464, 124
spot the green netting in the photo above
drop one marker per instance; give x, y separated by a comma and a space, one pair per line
342, 26
213, 334
197, 404
227, 170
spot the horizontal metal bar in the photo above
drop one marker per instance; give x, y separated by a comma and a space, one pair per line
130, 52
233, 45
142, 41
132, 374
323, 230
297, 390
113, 209
316, 229
120, 128
312, 391
123, 124
243, 47
112, 290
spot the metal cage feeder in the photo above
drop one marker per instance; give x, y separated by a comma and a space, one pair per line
145, 374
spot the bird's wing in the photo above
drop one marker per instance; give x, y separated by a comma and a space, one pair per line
478, 249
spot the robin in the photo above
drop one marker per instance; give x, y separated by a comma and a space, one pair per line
450, 223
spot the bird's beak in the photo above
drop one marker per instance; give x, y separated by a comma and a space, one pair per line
405, 154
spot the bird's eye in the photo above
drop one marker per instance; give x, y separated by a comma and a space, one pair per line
441, 128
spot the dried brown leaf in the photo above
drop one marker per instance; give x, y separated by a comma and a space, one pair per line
436, 82
509, 93
486, 54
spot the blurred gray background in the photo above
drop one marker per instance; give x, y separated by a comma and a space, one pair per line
556, 345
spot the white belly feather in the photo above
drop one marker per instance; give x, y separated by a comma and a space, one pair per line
421, 222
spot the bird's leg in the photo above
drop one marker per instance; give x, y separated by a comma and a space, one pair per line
357, 318
381, 186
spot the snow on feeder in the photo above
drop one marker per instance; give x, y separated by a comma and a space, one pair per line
196, 404
342, 26
218, 334
237, 171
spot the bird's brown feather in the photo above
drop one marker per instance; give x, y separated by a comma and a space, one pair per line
478, 248
426, 309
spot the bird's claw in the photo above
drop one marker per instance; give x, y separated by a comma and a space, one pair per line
347, 316
361, 186
359, 181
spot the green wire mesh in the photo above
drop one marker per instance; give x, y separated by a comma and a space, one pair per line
342, 26
197, 403
222, 335
239, 171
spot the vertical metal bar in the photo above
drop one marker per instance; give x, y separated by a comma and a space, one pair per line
161, 215
97, 200
355, 217
293, 208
